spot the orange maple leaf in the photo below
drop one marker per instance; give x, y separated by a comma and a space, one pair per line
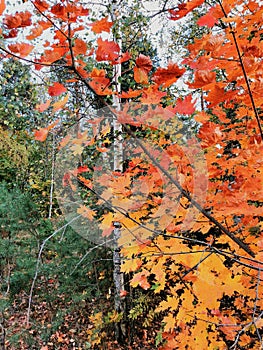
85, 182
152, 95
143, 67
60, 104
100, 86
86, 212
41, 5
50, 56
45, 24
43, 106
97, 73
210, 134
23, 49
140, 76
101, 26
35, 32
99, 83
64, 141
2, 6
41, 134
140, 279
168, 76
203, 78
80, 47
130, 93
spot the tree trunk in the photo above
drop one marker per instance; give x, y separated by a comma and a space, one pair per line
118, 277
2, 337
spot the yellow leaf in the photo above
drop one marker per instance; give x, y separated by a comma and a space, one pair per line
77, 149
170, 322
171, 303
86, 212
59, 104
131, 265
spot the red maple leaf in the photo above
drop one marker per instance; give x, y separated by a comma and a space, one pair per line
184, 106
123, 57
12, 21
144, 62
184, 9
107, 50
25, 19
19, 20
59, 11
12, 34
168, 76
56, 89
208, 19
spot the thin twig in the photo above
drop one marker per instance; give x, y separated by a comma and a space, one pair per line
255, 307
89, 251
52, 179
38, 264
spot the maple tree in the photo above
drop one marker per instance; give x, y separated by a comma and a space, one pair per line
190, 208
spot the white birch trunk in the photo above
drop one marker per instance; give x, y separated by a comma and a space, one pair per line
118, 276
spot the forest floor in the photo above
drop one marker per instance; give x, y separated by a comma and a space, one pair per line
73, 332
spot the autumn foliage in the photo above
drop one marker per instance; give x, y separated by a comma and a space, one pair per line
191, 210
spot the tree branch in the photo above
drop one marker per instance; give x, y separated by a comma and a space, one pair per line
31, 61
189, 197
244, 73
176, 183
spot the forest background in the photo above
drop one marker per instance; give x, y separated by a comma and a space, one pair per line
131, 175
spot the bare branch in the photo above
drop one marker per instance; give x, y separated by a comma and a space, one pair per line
38, 265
